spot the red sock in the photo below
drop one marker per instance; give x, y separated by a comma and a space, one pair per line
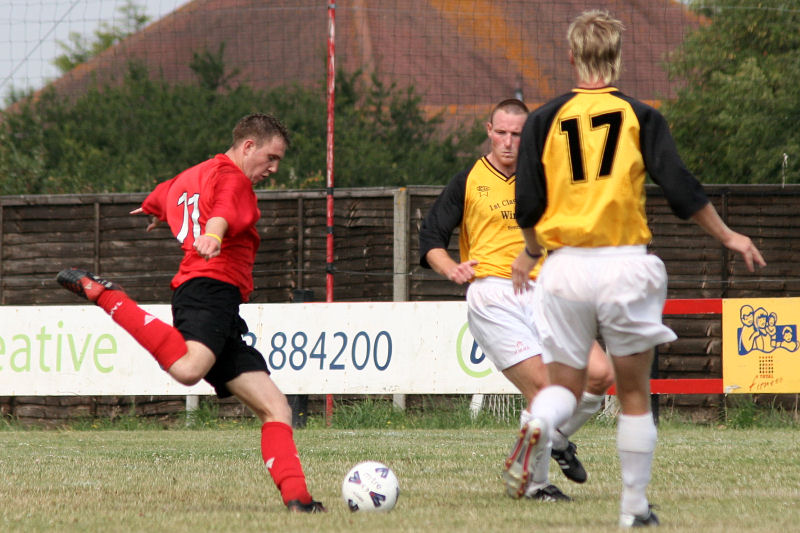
163, 341
280, 456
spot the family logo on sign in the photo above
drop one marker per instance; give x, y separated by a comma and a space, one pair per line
760, 332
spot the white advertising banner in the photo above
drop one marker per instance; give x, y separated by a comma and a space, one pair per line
311, 348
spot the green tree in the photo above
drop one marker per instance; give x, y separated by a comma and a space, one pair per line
384, 137
80, 49
735, 120
127, 137
210, 68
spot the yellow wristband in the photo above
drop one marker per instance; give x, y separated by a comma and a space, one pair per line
213, 235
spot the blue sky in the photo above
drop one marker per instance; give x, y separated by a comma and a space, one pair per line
30, 31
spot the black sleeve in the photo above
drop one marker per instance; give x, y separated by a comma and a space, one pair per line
683, 191
531, 187
443, 217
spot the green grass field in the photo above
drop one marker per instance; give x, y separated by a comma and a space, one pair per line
189, 480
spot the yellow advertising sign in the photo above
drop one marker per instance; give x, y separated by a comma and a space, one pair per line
759, 345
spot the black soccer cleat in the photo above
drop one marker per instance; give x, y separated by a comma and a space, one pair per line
85, 284
648, 519
550, 493
296, 506
569, 463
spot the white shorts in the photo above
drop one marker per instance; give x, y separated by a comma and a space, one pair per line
501, 322
617, 291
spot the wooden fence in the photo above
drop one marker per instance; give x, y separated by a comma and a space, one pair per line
376, 259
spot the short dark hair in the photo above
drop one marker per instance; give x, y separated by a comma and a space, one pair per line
260, 127
514, 106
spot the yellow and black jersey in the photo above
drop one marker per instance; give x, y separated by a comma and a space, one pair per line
480, 202
582, 165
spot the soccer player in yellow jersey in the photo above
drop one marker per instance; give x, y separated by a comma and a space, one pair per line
580, 195
480, 201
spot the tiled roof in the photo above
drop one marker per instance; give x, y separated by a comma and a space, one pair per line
459, 55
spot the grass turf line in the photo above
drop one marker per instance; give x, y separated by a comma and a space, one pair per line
704, 479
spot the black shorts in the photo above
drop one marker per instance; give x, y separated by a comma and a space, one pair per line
207, 311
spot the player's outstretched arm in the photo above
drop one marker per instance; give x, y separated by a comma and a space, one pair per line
441, 262
154, 221
708, 219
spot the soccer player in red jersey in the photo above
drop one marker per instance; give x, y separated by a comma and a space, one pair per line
212, 210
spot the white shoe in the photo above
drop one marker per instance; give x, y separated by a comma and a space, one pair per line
529, 446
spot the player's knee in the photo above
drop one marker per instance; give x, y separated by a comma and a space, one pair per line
193, 366
185, 373
599, 382
188, 378
600, 375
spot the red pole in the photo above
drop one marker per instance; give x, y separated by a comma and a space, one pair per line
329, 180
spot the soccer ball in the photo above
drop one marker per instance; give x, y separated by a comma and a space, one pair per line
370, 486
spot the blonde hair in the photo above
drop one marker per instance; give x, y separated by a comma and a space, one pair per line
595, 38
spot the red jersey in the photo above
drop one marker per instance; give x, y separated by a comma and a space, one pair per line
214, 188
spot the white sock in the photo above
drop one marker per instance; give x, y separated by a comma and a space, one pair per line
636, 442
541, 469
590, 404
540, 477
553, 405
524, 417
